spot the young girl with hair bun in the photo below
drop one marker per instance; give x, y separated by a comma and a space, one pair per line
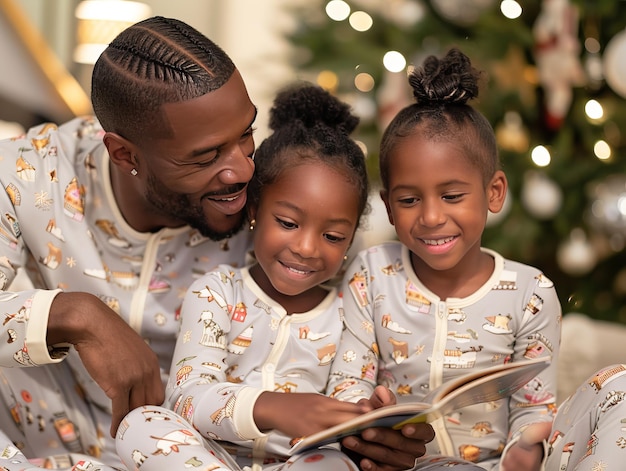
435, 304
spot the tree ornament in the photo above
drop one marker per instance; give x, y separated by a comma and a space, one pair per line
405, 13
461, 12
364, 107
614, 63
607, 213
511, 133
514, 73
541, 196
557, 57
576, 255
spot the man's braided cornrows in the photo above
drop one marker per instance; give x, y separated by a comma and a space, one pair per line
156, 61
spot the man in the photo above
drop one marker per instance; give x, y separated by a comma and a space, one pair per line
113, 218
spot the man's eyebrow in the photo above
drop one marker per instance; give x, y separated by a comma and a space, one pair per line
206, 150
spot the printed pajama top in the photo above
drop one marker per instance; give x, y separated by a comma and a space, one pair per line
60, 221
236, 342
401, 335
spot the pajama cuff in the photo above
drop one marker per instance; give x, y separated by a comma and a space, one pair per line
243, 417
39, 352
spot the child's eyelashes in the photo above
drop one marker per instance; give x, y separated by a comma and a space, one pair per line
290, 226
412, 200
334, 238
453, 197
286, 224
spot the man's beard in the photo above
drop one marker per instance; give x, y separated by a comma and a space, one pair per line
200, 224
179, 206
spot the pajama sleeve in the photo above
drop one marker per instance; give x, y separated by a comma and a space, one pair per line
24, 309
199, 388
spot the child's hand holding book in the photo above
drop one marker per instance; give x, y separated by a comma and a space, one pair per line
302, 414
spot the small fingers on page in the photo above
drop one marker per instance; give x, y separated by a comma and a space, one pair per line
382, 396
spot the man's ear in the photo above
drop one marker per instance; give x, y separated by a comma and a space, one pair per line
384, 195
122, 152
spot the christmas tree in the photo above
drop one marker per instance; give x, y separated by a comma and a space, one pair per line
555, 94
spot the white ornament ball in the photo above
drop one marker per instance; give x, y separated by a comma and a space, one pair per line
461, 12
364, 107
576, 255
403, 12
541, 196
614, 61
608, 205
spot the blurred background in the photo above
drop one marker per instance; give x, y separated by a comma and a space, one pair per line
554, 91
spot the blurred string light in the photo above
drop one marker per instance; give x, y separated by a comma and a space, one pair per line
328, 80
361, 21
594, 110
394, 61
540, 155
593, 62
337, 10
511, 9
602, 150
364, 82
99, 21
592, 45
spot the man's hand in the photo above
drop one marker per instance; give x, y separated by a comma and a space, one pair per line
115, 356
385, 449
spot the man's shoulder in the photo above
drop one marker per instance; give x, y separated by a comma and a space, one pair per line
72, 141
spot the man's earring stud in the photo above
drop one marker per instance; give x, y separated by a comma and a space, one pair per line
134, 172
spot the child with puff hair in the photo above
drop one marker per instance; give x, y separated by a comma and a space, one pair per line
249, 335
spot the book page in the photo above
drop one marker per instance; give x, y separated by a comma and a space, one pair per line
484, 385
489, 385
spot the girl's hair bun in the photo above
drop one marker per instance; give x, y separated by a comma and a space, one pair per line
311, 105
448, 80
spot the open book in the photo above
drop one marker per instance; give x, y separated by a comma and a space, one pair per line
488, 384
